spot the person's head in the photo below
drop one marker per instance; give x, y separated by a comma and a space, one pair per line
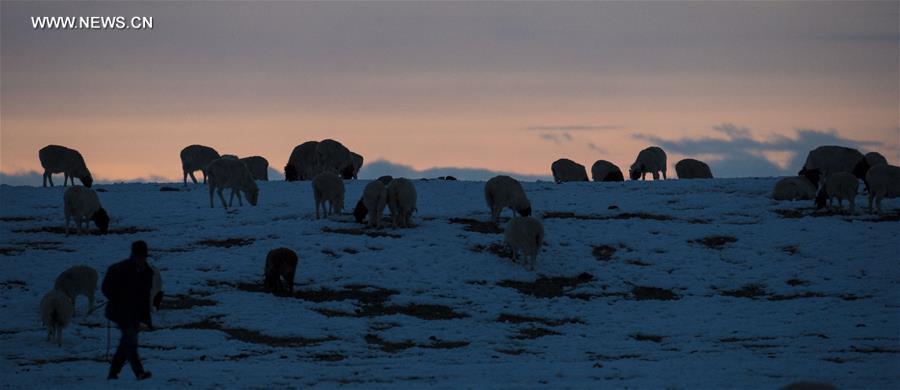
139, 251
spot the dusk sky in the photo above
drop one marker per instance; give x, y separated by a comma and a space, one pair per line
749, 87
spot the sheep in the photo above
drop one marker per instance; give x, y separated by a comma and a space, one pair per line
884, 182
653, 160
83, 205
229, 156
525, 234
386, 179
373, 200
258, 166
56, 312
78, 280
332, 156
281, 264
841, 185
503, 191
603, 170
197, 158
401, 199
156, 293
826, 160
328, 187
352, 170
794, 188
692, 169
565, 170
302, 164
870, 159
227, 173
60, 159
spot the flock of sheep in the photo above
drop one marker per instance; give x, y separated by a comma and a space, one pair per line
830, 172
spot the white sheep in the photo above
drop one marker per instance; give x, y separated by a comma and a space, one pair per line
826, 160
503, 191
884, 182
197, 158
332, 156
83, 205
156, 294
56, 159
692, 169
526, 235
328, 187
871, 159
652, 160
603, 170
375, 199
401, 199
303, 162
258, 166
794, 188
841, 185
56, 313
78, 280
281, 265
565, 170
227, 173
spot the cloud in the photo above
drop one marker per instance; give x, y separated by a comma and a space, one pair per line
23, 178
572, 128
382, 167
36, 179
739, 154
556, 138
594, 147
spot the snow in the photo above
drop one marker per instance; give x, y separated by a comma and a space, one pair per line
793, 298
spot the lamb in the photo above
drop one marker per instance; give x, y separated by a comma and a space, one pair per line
83, 205
826, 160
373, 200
60, 159
603, 170
258, 166
565, 170
794, 188
56, 313
227, 173
78, 280
884, 182
281, 264
652, 160
401, 199
692, 169
302, 164
841, 185
197, 158
328, 187
332, 156
525, 234
156, 293
503, 191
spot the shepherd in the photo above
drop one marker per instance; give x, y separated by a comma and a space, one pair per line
126, 286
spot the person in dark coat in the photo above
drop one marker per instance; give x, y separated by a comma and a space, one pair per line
127, 287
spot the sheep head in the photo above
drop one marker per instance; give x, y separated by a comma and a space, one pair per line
87, 180
360, 211
101, 219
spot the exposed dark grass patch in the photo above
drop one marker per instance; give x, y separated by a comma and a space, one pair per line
603, 252
329, 253
714, 242
500, 250
42, 362
474, 225
794, 282
429, 312
787, 297
168, 189
252, 336
647, 337
329, 357
185, 302
513, 352
517, 319
790, 249
362, 293
225, 243
19, 219
620, 216
388, 346
751, 290
351, 251
746, 339
545, 287
601, 357
887, 217
643, 293
11, 251
637, 263
873, 349
11, 284
93, 231
360, 232
533, 333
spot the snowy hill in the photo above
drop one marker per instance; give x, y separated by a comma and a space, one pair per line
705, 283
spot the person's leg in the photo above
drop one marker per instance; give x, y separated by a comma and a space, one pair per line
131, 354
118, 359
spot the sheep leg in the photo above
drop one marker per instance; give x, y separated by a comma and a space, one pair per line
240, 202
643, 175
46, 176
204, 176
194, 178
664, 174
68, 216
655, 176
852, 203
495, 215
231, 199
65, 179
317, 207
222, 197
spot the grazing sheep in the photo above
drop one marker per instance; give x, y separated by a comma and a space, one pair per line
78, 280
503, 191
328, 187
83, 205
156, 293
352, 170
525, 234
401, 199
281, 264
60, 159
652, 160
794, 188
227, 173
56, 312
841, 185
303, 163
871, 159
884, 182
197, 158
826, 160
332, 156
374, 199
386, 179
692, 169
258, 166
603, 170
565, 170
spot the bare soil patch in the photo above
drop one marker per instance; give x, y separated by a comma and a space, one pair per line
360, 232
93, 231
714, 242
252, 336
519, 319
500, 250
474, 225
534, 333
643, 293
548, 287
225, 243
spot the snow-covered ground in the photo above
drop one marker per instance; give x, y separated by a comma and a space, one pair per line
675, 284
